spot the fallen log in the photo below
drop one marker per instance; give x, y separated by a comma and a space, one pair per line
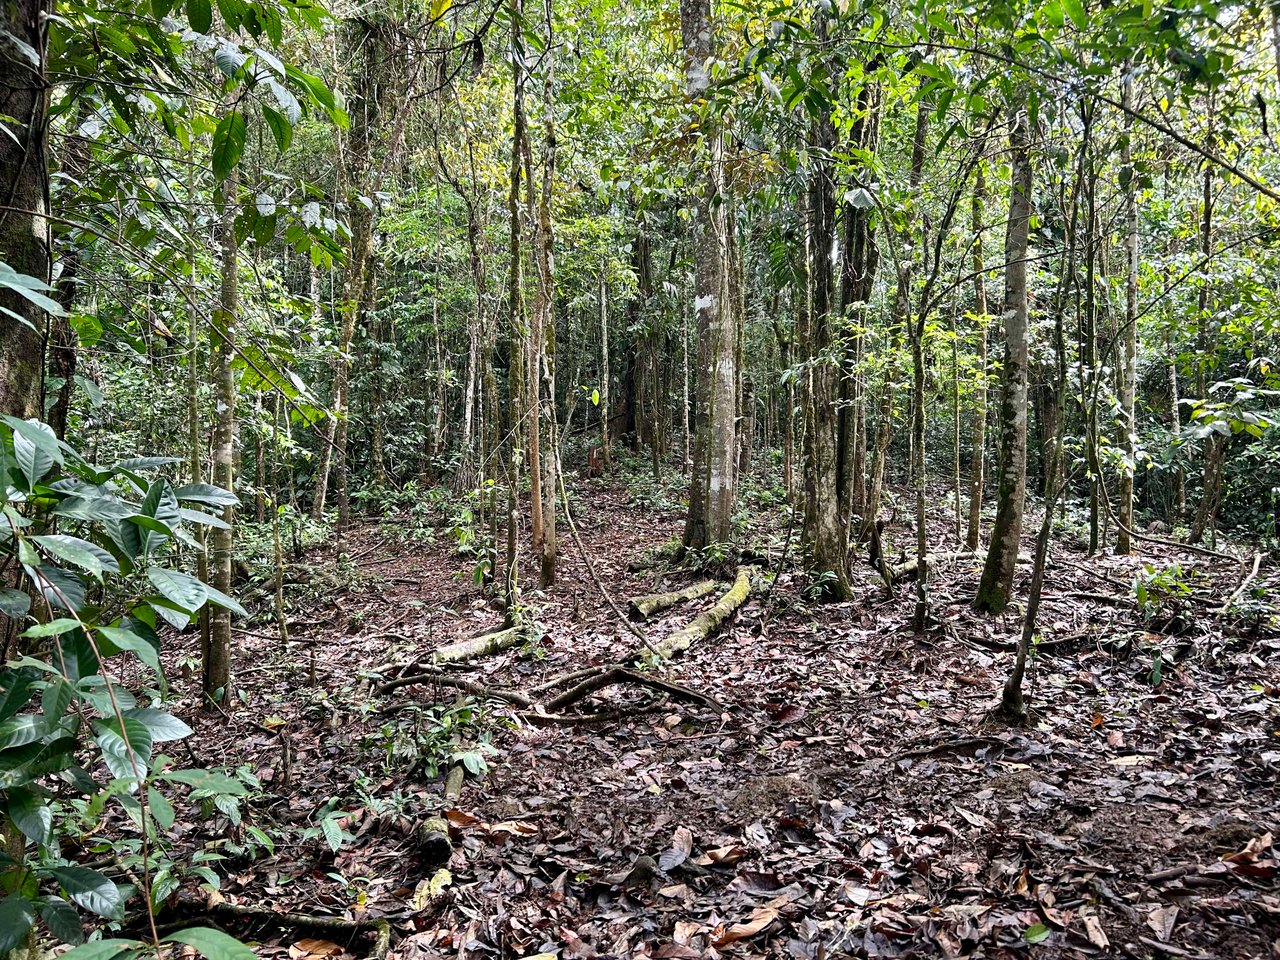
432, 837
478, 647
911, 568
709, 620
642, 608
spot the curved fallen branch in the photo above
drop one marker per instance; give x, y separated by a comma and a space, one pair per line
642, 608
442, 679
379, 927
618, 674
709, 620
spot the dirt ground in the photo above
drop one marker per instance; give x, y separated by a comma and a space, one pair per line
848, 796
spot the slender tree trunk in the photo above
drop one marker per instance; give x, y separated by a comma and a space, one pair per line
546, 324
901, 307
217, 658
996, 587
1129, 368
606, 442
977, 470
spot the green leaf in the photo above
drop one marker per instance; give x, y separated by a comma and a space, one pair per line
207, 493
62, 920
200, 15
18, 731
53, 628
280, 126
125, 639
87, 556
60, 588
35, 459
204, 780
91, 890
16, 918
179, 588
1075, 10
125, 749
161, 808
102, 949
228, 144
16, 690
1036, 933
163, 727
14, 603
214, 944
31, 814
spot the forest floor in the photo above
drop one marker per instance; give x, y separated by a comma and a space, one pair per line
851, 794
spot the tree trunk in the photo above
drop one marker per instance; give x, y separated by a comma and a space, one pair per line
1129, 368
996, 586
606, 442
977, 470
516, 394
545, 308
712, 478
25, 243
217, 655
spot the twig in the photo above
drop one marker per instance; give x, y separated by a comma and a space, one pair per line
1257, 562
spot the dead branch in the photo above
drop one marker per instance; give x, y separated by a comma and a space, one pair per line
381, 928
642, 608
619, 674
1235, 595
442, 679
708, 621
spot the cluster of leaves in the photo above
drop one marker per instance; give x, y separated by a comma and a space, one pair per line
91, 553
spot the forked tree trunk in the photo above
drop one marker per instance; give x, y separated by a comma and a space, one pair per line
996, 586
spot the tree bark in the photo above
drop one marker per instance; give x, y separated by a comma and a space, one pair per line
712, 484
977, 470
996, 586
217, 655
1129, 368
25, 243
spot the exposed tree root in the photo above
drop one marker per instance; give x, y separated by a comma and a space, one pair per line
442, 679
642, 608
1244, 585
708, 621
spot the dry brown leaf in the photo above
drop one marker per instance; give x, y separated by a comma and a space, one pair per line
1093, 930
1161, 920
760, 919
309, 948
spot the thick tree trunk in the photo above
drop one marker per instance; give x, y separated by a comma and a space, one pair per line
996, 586
825, 531
606, 442
712, 482
25, 243
516, 394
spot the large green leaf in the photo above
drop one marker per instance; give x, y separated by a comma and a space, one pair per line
126, 748
30, 813
200, 15
14, 603
179, 588
91, 890
16, 690
62, 920
228, 144
207, 493
205, 780
214, 944
162, 726
102, 949
87, 556
60, 588
16, 917
18, 731
122, 638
